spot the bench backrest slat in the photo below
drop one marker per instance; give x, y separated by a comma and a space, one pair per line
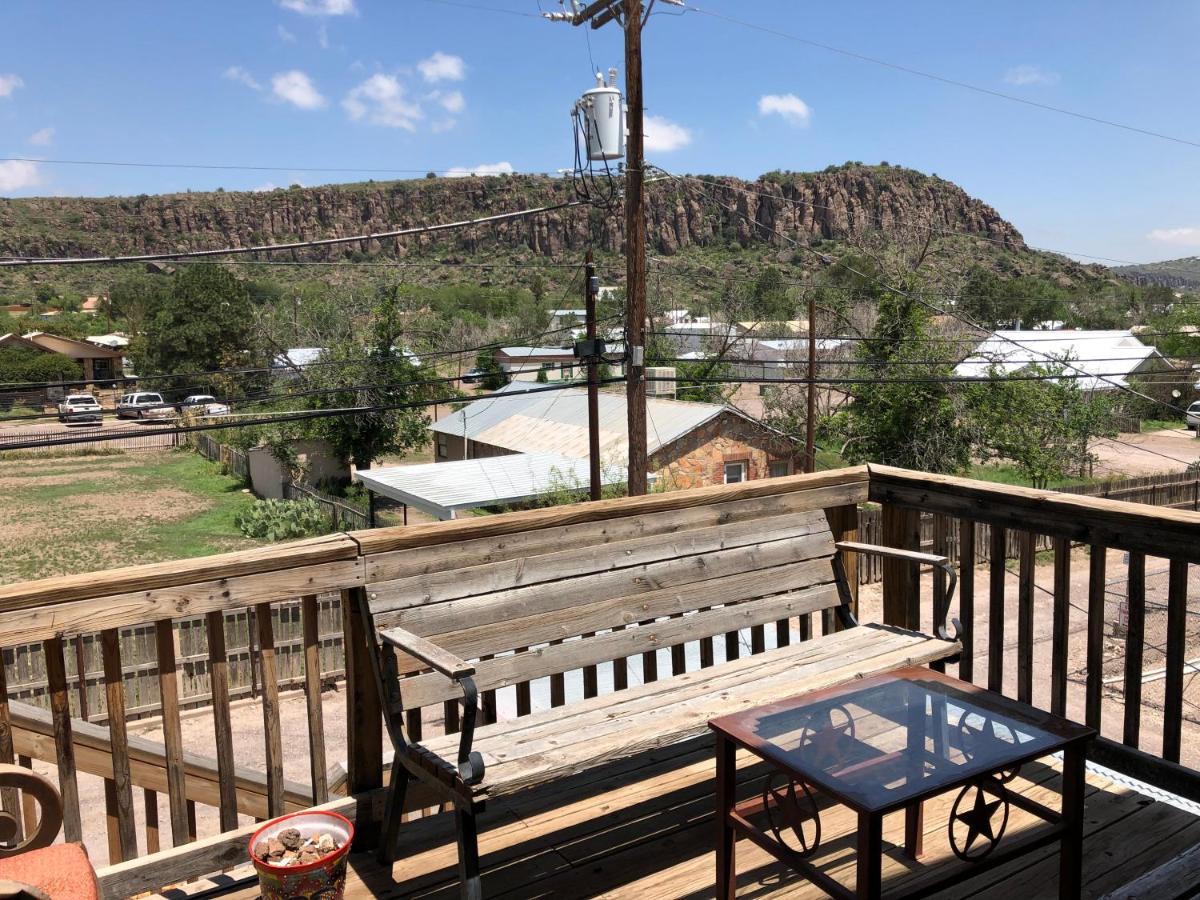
502, 671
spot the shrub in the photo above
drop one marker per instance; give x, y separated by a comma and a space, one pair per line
282, 520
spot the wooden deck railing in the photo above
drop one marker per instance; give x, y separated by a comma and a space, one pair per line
212, 799
1080, 531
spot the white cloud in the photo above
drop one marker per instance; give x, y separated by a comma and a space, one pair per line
323, 36
442, 67
451, 102
442, 125
381, 100
284, 35
662, 136
788, 107
1023, 76
320, 7
42, 138
500, 168
1188, 237
237, 73
16, 174
9, 83
297, 88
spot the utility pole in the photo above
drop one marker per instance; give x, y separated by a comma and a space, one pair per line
810, 424
598, 14
593, 376
635, 253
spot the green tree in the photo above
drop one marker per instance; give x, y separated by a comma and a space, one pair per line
493, 377
379, 375
1042, 427
134, 298
204, 322
901, 412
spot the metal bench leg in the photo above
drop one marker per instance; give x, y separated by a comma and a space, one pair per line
468, 855
397, 791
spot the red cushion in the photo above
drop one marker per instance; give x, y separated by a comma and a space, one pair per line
61, 870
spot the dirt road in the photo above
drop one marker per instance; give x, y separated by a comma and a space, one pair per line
1146, 454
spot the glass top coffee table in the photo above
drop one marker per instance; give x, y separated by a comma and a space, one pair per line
888, 743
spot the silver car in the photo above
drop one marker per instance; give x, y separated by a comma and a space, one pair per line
143, 405
1193, 417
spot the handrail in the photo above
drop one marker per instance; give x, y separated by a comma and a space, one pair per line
1155, 530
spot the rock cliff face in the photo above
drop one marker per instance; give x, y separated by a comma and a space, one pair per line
776, 210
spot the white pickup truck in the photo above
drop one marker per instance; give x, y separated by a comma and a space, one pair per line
80, 409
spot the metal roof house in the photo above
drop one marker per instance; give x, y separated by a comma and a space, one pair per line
1102, 360
688, 443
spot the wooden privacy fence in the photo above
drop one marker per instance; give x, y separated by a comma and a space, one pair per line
1175, 491
26, 665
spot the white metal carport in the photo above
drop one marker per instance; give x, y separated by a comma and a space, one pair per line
442, 489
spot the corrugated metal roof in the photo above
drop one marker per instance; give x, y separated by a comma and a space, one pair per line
442, 488
556, 422
1103, 360
519, 352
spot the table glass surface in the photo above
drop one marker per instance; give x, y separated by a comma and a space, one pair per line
883, 741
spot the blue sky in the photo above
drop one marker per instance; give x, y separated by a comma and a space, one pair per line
419, 85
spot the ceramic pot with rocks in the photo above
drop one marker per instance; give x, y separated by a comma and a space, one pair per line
302, 855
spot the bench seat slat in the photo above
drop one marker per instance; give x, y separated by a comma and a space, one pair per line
549, 745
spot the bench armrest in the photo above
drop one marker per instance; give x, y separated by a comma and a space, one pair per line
438, 658
469, 765
921, 559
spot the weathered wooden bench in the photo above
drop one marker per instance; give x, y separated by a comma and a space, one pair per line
497, 613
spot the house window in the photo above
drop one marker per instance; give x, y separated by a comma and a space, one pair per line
735, 472
443, 450
779, 467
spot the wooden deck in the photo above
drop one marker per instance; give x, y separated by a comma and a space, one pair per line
647, 832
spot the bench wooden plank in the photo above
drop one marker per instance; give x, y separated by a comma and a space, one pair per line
558, 562
571, 621
423, 690
501, 607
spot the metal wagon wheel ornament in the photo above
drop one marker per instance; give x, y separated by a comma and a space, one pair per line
790, 810
971, 740
824, 734
979, 821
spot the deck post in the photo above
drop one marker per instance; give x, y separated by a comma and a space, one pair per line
364, 716
901, 528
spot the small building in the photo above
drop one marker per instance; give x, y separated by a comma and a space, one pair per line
561, 319
524, 363
689, 444
1100, 360
92, 305
98, 363
707, 336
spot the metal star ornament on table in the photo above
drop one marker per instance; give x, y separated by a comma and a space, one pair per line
979, 821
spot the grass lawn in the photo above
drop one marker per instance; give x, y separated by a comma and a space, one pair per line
60, 515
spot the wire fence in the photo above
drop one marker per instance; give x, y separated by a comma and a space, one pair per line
343, 516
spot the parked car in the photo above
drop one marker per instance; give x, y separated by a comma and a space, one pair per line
143, 405
474, 376
1193, 417
204, 405
78, 409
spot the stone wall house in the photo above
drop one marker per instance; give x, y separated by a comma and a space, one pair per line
726, 449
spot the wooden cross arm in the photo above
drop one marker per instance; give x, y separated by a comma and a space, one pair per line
428, 652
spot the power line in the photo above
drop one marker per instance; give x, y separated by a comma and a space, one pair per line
294, 245
979, 89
